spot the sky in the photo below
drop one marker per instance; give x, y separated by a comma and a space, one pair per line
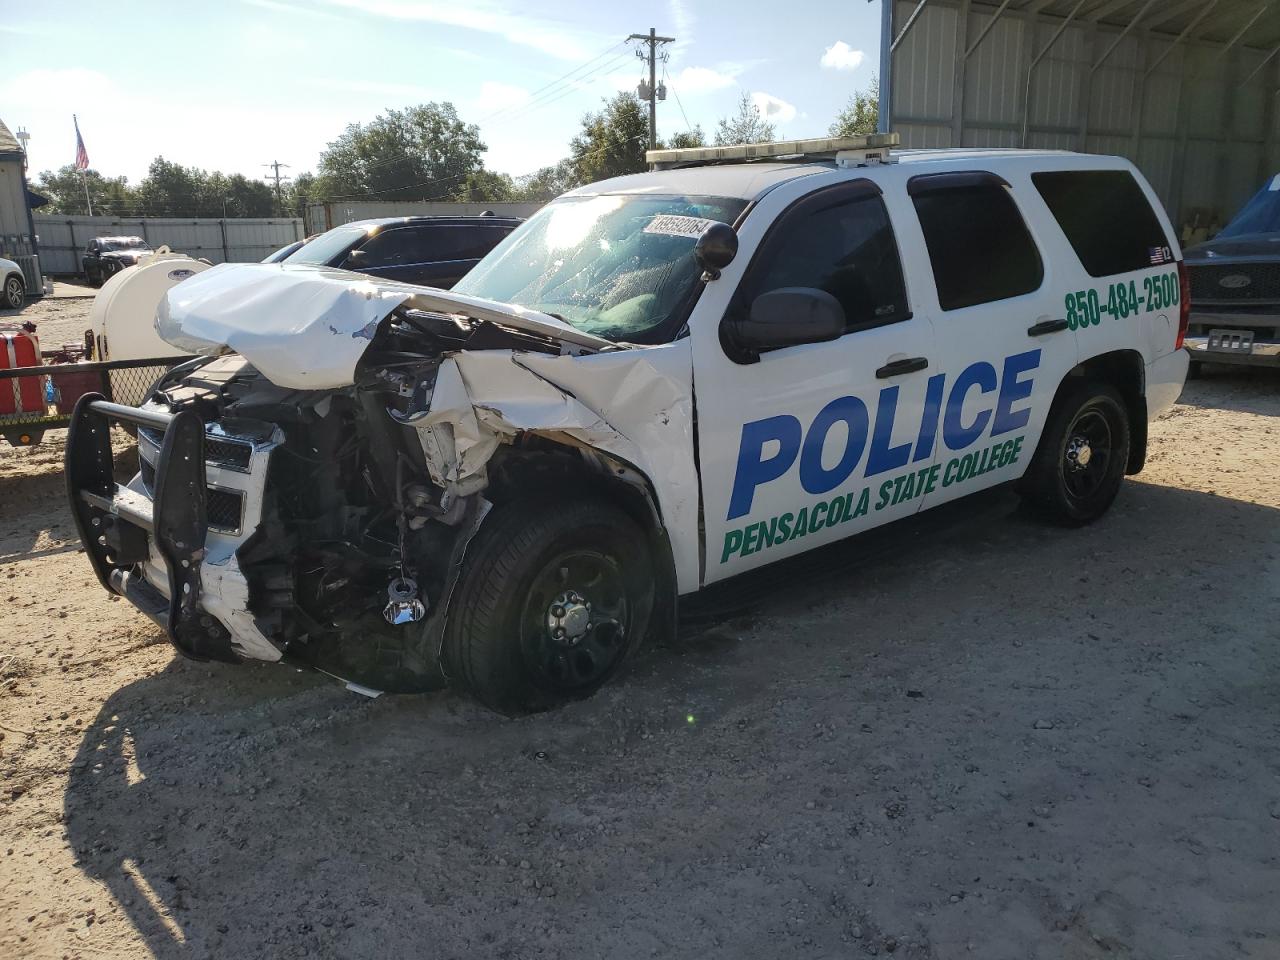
235, 84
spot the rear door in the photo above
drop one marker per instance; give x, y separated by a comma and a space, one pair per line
1004, 343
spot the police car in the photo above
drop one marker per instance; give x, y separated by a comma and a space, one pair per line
656, 383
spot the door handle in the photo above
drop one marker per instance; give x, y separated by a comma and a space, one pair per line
898, 367
1046, 326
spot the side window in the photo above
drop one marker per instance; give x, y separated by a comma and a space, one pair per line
391, 248
478, 241
978, 244
1106, 218
844, 245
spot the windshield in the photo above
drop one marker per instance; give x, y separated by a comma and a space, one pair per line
328, 246
125, 243
615, 266
1259, 215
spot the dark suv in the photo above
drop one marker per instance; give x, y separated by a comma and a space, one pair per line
105, 256
431, 251
1235, 287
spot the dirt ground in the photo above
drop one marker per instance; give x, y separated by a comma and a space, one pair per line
985, 737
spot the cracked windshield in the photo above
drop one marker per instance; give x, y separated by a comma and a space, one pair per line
616, 266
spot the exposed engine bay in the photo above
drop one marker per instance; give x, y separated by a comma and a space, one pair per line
353, 538
336, 520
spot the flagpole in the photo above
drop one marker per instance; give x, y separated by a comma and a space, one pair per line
80, 153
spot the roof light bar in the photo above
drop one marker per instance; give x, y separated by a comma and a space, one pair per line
867, 149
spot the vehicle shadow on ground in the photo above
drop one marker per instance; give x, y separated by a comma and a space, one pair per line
261, 811
1231, 387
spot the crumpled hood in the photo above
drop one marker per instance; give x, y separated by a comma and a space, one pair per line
306, 327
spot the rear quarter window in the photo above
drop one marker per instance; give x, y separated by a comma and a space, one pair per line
1106, 218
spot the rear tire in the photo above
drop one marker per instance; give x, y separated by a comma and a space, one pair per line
15, 290
553, 599
1080, 462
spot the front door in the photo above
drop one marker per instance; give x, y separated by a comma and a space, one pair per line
811, 443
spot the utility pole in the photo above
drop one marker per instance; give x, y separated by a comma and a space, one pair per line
653, 40
275, 166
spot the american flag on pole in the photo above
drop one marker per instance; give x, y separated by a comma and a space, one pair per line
82, 155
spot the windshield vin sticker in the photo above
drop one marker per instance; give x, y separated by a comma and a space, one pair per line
673, 225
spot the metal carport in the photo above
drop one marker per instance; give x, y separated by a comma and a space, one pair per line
1186, 89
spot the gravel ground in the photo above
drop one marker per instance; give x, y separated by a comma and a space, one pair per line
983, 737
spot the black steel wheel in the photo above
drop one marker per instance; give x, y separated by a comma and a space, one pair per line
552, 599
14, 291
1083, 452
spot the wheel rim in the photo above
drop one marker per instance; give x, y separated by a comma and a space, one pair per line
1087, 457
573, 627
13, 293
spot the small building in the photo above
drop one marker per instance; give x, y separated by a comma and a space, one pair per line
17, 230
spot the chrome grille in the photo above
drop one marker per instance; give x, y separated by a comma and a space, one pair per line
225, 452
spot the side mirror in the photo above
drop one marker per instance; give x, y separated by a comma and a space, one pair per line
715, 249
787, 317
355, 260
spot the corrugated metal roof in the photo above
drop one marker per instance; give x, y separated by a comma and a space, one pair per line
1221, 24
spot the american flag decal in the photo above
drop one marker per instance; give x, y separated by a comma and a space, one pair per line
1159, 255
82, 155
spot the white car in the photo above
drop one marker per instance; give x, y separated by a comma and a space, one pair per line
656, 383
13, 285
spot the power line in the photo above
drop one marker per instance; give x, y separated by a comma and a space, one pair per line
676, 93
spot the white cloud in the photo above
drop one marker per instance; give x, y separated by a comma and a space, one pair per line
773, 109
500, 96
695, 80
483, 16
841, 56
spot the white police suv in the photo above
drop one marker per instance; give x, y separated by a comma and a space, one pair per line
654, 384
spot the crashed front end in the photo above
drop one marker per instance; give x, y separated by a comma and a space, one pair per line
308, 489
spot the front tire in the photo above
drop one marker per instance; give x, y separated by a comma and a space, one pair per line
14, 292
553, 599
94, 276
1081, 460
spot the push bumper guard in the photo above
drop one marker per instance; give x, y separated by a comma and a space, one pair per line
117, 524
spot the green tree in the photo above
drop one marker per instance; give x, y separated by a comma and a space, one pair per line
423, 152
65, 191
547, 183
688, 138
299, 193
861, 114
172, 190
612, 142
485, 186
746, 126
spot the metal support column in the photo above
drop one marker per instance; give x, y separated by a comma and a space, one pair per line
886, 65
957, 94
1026, 96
